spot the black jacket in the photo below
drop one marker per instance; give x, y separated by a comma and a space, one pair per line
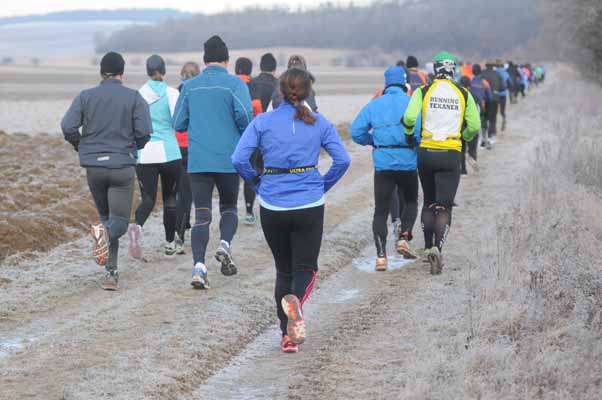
261, 88
115, 123
495, 81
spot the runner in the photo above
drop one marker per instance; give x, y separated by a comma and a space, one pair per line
470, 146
378, 125
291, 193
415, 78
215, 108
261, 89
297, 61
159, 159
117, 123
446, 109
184, 196
497, 85
503, 93
482, 95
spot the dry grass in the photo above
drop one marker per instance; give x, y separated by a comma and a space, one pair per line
536, 310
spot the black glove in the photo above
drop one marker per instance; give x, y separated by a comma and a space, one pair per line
75, 145
411, 140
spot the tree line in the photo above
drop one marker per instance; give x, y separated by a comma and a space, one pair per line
469, 27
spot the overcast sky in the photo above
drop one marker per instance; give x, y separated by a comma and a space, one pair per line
25, 7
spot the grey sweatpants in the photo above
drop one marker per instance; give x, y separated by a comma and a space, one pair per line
112, 190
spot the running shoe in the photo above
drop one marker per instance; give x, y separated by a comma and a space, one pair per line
180, 246
135, 235
381, 264
110, 281
170, 248
224, 256
199, 277
100, 246
288, 346
435, 260
473, 163
295, 327
403, 247
250, 219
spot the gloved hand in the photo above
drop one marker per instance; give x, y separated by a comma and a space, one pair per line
411, 140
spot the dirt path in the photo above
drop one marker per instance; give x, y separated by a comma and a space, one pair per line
62, 337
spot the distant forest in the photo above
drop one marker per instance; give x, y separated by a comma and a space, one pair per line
470, 27
147, 15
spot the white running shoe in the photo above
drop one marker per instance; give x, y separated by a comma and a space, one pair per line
170, 248
224, 256
135, 236
199, 277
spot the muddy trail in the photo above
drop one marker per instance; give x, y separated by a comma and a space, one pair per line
61, 337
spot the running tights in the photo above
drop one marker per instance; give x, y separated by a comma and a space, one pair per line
439, 172
295, 238
112, 190
202, 185
249, 187
183, 198
148, 178
386, 183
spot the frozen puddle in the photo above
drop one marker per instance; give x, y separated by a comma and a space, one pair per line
12, 345
345, 296
366, 264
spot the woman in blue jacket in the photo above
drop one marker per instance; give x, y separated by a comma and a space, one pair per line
378, 125
291, 193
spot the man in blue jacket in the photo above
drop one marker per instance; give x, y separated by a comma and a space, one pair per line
215, 108
378, 125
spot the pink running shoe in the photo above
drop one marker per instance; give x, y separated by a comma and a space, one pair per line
134, 234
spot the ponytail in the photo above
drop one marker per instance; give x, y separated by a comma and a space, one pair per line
295, 85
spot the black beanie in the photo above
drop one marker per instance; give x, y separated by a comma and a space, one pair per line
243, 66
476, 69
268, 62
112, 64
154, 64
412, 62
215, 50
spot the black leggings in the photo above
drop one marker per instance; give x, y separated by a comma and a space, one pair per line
503, 106
202, 185
112, 190
295, 238
470, 147
249, 187
439, 172
492, 108
183, 197
386, 183
148, 178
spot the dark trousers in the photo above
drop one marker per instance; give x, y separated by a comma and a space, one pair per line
386, 183
202, 185
295, 238
148, 178
183, 198
439, 173
492, 109
112, 190
470, 147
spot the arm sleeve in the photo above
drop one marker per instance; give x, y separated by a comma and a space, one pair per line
472, 118
142, 124
72, 121
243, 110
331, 142
410, 118
181, 116
361, 126
241, 158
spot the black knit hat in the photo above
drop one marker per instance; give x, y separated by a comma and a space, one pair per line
268, 62
215, 50
112, 64
243, 66
154, 64
412, 62
476, 69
